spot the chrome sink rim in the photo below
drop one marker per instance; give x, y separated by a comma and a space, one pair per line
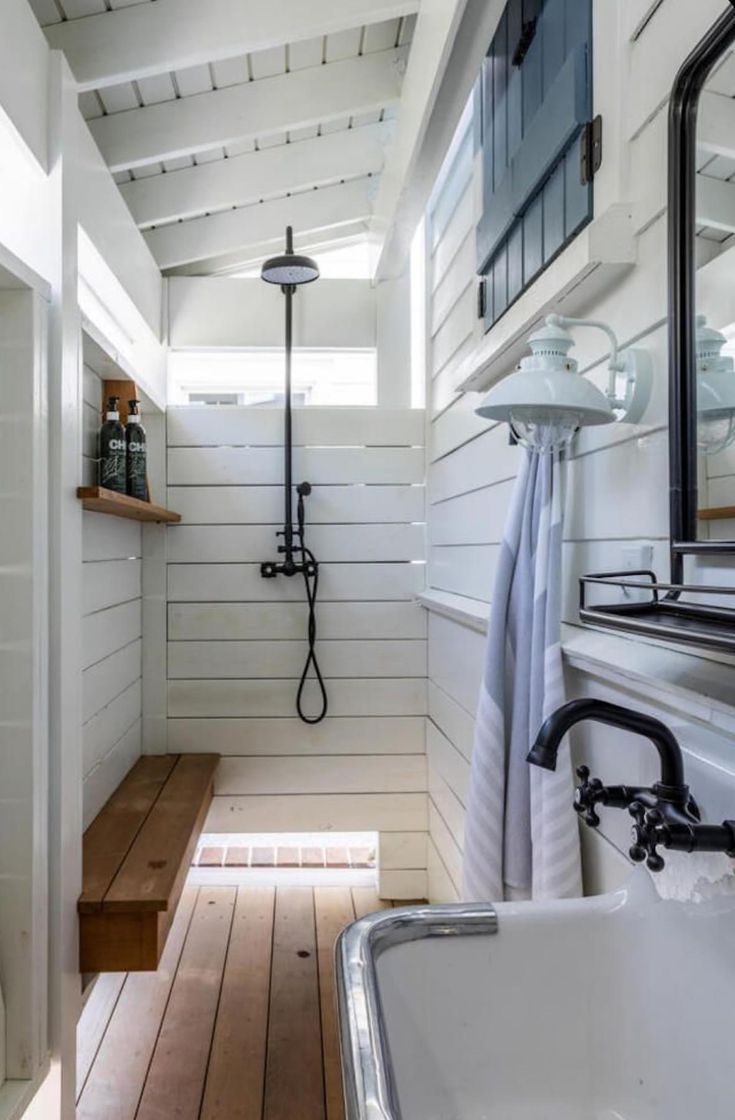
369, 1087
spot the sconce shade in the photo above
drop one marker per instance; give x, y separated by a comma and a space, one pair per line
547, 387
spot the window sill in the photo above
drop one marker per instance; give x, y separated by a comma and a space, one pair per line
696, 686
597, 258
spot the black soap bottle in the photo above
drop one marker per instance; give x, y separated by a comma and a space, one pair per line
137, 483
112, 449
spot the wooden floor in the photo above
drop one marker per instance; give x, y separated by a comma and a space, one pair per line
239, 1021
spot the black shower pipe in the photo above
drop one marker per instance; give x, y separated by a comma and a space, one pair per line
683, 107
288, 291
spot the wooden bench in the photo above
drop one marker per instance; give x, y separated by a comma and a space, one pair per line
137, 852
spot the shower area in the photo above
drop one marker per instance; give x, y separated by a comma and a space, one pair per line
243, 599
295, 650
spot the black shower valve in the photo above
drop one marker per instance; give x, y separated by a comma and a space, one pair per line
268, 569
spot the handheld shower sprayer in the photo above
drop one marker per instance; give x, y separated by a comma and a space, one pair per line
290, 270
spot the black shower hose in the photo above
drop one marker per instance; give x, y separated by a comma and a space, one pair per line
311, 582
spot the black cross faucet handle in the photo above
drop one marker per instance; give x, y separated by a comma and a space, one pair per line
587, 795
646, 836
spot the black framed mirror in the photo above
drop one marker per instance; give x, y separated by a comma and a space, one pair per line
701, 342
701, 252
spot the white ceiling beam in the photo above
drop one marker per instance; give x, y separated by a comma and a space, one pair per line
716, 124
251, 257
437, 26
146, 39
715, 206
255, 109
219, 234
247, 179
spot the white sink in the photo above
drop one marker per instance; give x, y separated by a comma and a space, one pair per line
619, 1007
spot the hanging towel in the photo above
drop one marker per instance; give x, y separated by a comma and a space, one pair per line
521, 834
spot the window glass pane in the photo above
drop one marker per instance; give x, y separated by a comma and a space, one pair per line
256, 377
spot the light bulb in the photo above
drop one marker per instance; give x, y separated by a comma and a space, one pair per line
544, 430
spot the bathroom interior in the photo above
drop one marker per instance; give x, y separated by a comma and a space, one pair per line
367, 656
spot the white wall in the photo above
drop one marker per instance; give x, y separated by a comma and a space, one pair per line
112, 628
237, 642
618, 477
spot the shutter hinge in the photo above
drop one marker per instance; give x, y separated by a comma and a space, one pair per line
481, 297
590, 149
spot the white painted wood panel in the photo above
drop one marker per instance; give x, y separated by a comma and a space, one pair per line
105, 680
110, 538
285, 659
456, 328
464, 569
448, 806
337, 583
440, 886
403, 885
474, 518
257, 466
446, 845
107, 727
401, 850
360, 812
110, 582
365, 697
452, 719
488, 459
278, 621
335, 735
447, 761
237, 642
191, 426
108, 630
316, 774
226, 544
263, 505
112, 629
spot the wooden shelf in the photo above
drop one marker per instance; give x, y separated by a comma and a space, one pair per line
100, 500
716, 513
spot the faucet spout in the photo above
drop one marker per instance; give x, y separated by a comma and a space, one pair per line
545, 749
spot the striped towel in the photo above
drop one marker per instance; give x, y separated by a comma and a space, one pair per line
521, 834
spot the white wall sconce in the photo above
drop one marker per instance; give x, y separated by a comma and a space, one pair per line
715, 391
546, 400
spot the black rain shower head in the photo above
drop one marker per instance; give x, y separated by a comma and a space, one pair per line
289, 269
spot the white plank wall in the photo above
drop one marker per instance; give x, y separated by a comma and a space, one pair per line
617, 491
111, 633
236, 642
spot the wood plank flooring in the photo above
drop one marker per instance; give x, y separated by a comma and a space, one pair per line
239, 1021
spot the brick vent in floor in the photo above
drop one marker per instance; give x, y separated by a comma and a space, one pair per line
284, 856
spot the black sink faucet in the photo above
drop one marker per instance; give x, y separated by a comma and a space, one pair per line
664, 814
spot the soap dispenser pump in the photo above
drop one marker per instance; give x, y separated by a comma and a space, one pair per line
135, 442
112, 449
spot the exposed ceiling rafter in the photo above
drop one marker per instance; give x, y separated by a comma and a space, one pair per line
252, 256
244, 180
220, 234
147, 39
227, 116
449, 42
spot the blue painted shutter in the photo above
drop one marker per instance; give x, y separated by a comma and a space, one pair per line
536, 98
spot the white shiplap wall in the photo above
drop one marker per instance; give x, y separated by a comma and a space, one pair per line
236, 642
111, 632
618, 478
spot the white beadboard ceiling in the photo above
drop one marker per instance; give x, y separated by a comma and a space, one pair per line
203, 218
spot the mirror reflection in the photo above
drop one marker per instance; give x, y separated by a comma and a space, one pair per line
715, 326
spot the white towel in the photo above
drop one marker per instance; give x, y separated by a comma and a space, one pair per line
521, 833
